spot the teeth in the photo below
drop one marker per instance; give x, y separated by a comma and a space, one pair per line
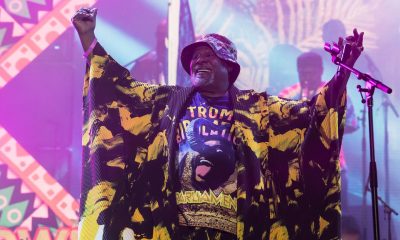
206, 161
203, 70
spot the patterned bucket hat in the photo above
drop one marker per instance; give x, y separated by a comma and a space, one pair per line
222, 47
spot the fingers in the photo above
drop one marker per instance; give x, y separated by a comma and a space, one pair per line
340, 42
355, 43
354, 37
87, 10
360, 39
356, 40
85, 14
355, 33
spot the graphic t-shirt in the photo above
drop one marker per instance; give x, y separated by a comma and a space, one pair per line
207, 165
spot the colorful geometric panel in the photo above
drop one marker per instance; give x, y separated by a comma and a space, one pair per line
31, 199
36, 178
18, 17
20, 208
21, 42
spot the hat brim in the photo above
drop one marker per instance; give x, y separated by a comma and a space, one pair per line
187, 54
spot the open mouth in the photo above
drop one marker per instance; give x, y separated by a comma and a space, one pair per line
203, 168
202, 71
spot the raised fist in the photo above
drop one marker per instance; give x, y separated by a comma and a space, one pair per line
84, 21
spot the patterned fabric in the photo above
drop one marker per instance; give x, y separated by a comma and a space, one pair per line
197, 233
351, 123
288, 184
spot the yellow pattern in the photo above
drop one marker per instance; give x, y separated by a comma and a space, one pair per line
105, 139
96, 66
158, 146
99, 198
323, 224
137, 216
289, 140
161, 233
278, 232
135, 125
118, 162
329, 133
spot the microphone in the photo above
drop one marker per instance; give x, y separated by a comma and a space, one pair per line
345, 54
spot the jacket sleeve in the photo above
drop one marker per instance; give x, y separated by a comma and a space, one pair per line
119, 117
307, 135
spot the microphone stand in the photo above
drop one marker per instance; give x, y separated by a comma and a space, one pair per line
388, 210
371, 85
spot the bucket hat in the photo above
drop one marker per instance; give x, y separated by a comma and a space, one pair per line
221, 46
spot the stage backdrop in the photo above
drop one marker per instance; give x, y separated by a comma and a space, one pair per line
41, 72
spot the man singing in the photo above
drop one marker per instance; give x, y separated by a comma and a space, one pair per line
209, 161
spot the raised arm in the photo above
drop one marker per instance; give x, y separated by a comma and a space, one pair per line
321, 147
120, 115
308, 135
84, 22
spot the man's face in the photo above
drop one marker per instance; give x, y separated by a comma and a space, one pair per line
310, 77
207, 72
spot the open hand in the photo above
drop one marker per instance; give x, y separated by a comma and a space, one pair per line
355, 43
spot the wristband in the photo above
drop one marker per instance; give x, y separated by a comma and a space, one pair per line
90, 49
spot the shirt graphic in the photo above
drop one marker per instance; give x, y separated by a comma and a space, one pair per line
207, 165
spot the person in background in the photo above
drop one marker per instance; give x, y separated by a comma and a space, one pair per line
310, 71
331, 30
282, 67
152, 67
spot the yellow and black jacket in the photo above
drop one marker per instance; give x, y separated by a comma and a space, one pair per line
287, 152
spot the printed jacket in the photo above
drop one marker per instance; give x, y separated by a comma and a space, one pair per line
287, 153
